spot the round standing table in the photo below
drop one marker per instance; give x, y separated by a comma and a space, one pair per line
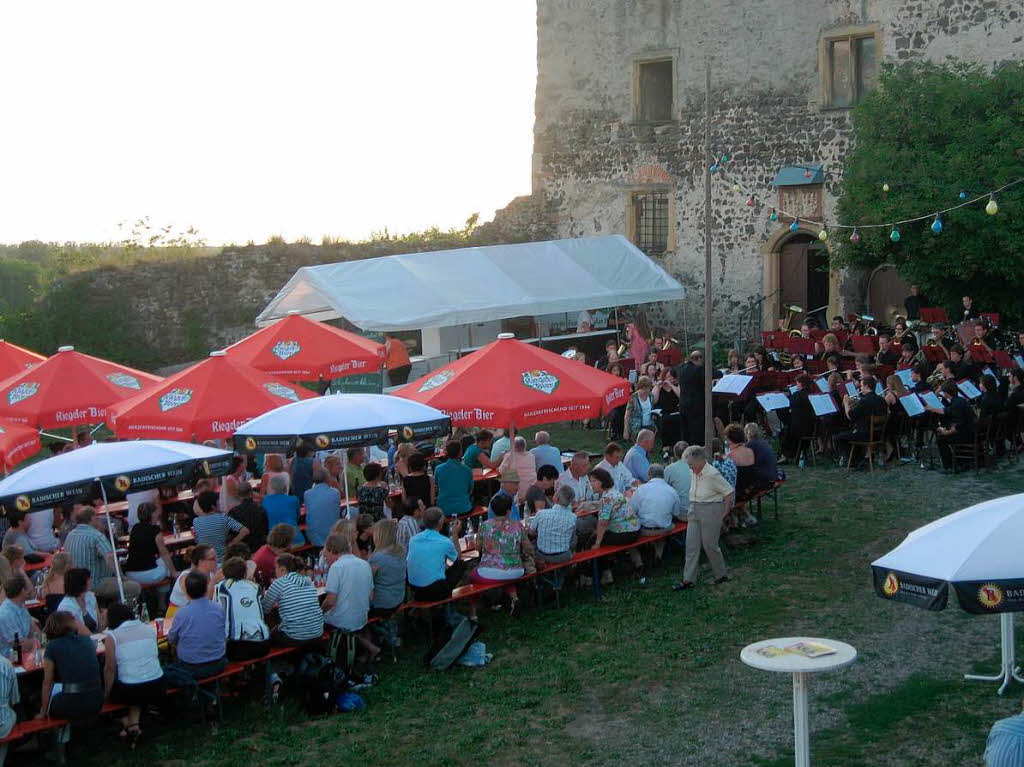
799, 666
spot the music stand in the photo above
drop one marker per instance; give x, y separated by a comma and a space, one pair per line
935, 354
933, 314
1003, 360
864, 344
801, 346
980, 354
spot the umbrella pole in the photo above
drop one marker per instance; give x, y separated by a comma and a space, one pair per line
345, 473
113, 541
1009, 671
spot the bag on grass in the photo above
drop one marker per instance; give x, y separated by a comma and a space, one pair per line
349, 701
450, 647
315, 681
476, 655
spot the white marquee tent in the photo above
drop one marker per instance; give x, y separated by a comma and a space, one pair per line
471, 285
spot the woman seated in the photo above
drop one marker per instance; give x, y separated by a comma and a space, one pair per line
247, 634
363, 541
502, 544
132, 674
617, 524
298, 606
204, 562
417, 484
744, 458
80, 602
71, 675
765, 463
241, 551
279, 541
148, 558
282, 508
388, 564
273, 466
213, 527
332, 465
52, 590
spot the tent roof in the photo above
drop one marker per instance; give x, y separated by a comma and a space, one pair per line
455, 287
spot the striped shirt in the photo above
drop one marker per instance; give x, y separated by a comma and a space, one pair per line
297, 604
9, 696
212, 529
88, 548
408, 526
1005, 746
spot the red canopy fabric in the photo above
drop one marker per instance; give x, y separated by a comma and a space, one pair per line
15, 359
69, 389
209, 400
509, 382
301, 349
17, 442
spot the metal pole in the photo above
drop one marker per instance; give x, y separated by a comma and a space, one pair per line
709, 426
113, 540
801, 730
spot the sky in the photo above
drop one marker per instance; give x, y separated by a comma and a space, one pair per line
253, 119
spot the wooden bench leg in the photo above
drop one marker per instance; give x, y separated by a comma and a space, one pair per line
597, 578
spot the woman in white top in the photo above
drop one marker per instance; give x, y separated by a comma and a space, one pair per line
80, 601
273, 465
132, 675
204, 560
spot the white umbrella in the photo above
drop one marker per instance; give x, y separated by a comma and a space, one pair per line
978, 552
340, 421
115, 466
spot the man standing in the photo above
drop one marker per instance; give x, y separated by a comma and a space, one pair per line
546, 453
691, 397
914, 302
637, 458
323, 508
711, 498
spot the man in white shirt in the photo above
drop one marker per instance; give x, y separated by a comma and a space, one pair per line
39, 528
678, 476
612, 463
546, 453
500, 446
576, 478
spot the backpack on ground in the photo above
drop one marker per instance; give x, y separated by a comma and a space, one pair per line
315, 682
450, 647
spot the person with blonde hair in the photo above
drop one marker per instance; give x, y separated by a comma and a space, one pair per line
388, 565
273, 465
52, 589
402, 453
332, 465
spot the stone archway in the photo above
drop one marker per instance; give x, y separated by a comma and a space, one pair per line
801, 283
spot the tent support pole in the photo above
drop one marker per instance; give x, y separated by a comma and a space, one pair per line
1009, 671
113, 541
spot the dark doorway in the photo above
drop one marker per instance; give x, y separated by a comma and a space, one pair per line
803, 278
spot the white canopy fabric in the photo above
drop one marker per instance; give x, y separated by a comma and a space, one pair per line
456, 287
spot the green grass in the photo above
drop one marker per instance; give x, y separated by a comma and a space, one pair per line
652, 676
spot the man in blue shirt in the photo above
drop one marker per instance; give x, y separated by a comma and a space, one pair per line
429, 573
636, 459
15, 620
509, 487
323, 508
198, 633
546, 453
454, 481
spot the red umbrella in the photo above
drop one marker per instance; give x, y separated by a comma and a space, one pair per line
14, 359
17, 442
509, 382
301, 349
69, 389
209, 400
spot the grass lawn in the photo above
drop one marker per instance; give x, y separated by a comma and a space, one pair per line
651, 676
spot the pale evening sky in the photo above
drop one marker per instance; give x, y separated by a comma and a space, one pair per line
250, 119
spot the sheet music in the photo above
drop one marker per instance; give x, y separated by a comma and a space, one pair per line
968, 389
792, 389
931, 400
904, 376
912, 404
822, 384
879, 389
851, 389
731, 384
773, 400
1019, 359
823, 404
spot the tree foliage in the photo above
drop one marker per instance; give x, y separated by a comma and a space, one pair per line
932, 132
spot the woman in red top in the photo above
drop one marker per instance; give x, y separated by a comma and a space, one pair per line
397, 360
279, 541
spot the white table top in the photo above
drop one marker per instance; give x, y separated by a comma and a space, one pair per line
790, 663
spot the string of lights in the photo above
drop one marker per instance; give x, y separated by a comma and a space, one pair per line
967, 198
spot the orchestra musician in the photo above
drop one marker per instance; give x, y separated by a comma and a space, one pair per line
1014, 400
829, 344
990, 404
838, 326
980, 337
919, 378
859, 411
733, 364
962, 368
801, 418
914, 302
970, 313
1019, 349
938, 339
957, 423
834, 372
861, 363
886, 354
907, 354
894, 389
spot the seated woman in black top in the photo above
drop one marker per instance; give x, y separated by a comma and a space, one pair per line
417, 483
72, 686
148, 558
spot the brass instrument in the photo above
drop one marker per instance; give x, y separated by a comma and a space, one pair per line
792, 310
